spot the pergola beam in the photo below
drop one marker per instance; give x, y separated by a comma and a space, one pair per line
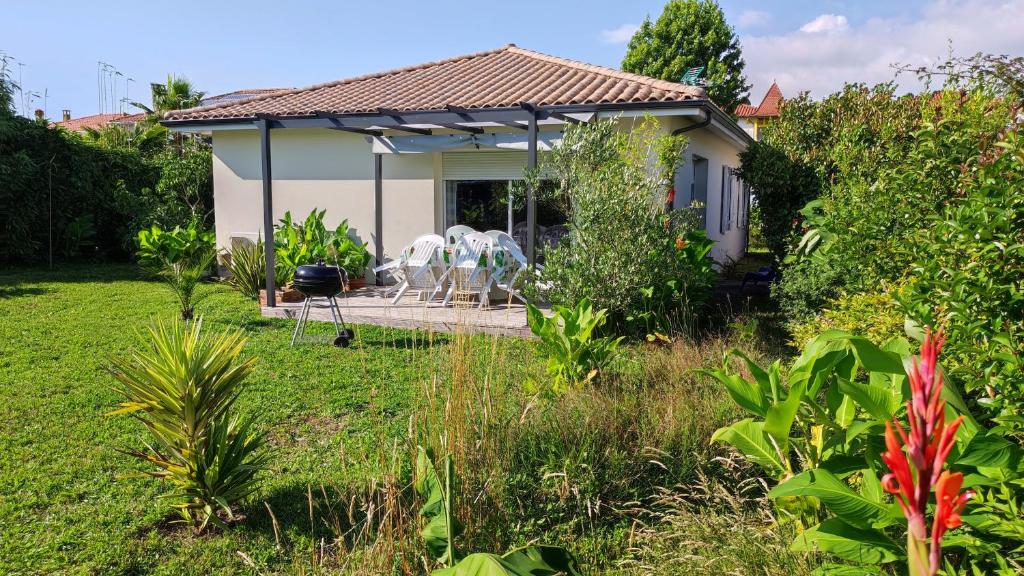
516, 125
363, 131
463, 128
414, 130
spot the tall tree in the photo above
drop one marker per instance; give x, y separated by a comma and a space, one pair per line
688, 34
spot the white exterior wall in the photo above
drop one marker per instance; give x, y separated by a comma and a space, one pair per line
333, 171
324, 169
719, 152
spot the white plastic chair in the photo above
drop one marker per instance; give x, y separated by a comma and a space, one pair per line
467, 275
511, 264
419, 267
455, 233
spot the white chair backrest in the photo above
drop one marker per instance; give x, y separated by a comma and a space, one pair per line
453, 234
425, 250
508, 244
470, 248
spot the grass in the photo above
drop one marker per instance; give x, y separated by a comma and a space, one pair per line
583, 472
63, 502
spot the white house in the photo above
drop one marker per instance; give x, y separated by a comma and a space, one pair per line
415, 150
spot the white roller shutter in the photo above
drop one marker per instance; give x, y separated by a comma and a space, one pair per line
483, 165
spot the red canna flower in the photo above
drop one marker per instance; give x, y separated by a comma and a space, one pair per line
915, 460
680, 243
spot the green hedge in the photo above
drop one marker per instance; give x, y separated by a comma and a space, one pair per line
87, 199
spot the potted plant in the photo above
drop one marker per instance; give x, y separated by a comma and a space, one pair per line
351, 256
300, 243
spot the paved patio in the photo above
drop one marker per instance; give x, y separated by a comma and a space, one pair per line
370, 306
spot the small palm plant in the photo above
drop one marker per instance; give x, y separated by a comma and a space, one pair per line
183, 389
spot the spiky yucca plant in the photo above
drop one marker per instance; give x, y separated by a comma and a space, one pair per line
182, 388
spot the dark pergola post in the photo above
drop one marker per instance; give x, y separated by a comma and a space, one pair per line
378, 208
531, 193
268, 211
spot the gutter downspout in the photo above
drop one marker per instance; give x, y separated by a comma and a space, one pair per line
705, 122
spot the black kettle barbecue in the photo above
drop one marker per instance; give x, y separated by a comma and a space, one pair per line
321, 281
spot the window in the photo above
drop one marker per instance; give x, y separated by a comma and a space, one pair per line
485, 205
726, 204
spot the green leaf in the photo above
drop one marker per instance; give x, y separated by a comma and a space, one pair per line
991, 451
750, 439
747, 395
874, 359
530, 561
859, 545
880, 402
780, 416
839, 498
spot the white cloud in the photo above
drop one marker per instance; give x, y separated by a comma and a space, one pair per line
619, 35
825, 53
826, 23
753, 18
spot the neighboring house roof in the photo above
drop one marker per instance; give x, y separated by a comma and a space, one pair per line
506, 77
768, 107
238, 95
130, 118
94, 121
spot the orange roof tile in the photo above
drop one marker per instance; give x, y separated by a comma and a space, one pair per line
505, 77
93, 121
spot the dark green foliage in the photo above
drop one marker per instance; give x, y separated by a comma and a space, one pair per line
76, 196
885, 165
690, 34
968, 262
247, 266
649, 269
49, 176
782, 187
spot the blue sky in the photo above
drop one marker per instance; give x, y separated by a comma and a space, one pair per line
223, 46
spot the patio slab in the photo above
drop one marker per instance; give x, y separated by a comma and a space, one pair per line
370, 306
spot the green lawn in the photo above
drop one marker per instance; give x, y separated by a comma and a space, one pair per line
66, 504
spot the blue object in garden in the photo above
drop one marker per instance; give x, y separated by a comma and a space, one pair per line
765, 274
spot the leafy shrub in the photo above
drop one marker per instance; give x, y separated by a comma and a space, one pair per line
626, 255
182, 389
781, 185
575, 353
248, 269
967, 269
158, 247
48, 176
876, 315
182, 258
819, 430
885, 165
300, 243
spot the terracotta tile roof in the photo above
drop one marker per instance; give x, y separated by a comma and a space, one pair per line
768, 107
506, 77
94, 121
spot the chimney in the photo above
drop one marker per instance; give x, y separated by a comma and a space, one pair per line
39, 114
66, 114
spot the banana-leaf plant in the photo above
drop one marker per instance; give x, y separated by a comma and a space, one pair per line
819, 429
442, 528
